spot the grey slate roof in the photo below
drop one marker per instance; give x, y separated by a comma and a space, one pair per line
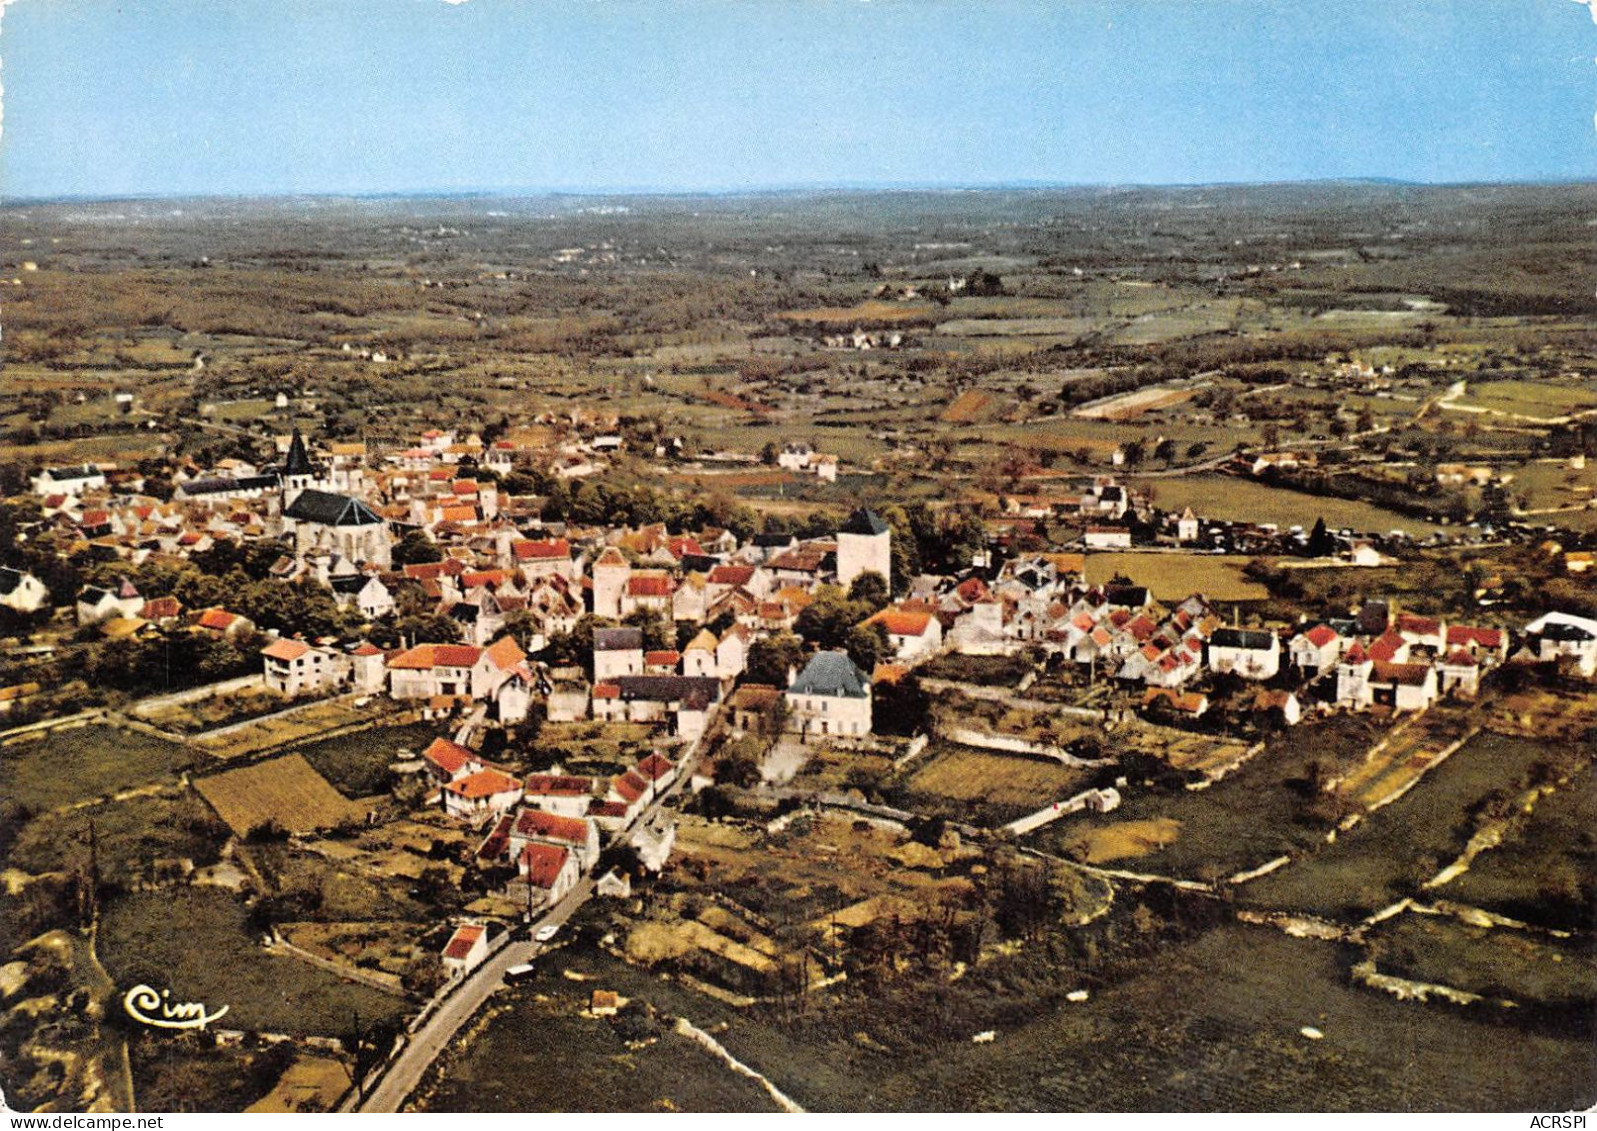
328, 509
298, 461
831, 673
617, 639
1254, 640
693, 691
863, 521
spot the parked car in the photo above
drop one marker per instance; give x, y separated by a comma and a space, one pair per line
520, 972
547, 932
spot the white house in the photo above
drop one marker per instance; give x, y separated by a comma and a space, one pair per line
617, 652
466, 949
1556, 635
559, 794
911, 634
1250, 653
486, 791
1107, 538
70, 481
21, 591
1316, 650
549, 869
293, 667
97, 603
578, 834
831, 696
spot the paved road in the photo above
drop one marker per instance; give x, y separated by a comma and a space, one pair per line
405, 1071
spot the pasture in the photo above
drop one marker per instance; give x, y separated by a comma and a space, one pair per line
357, 764
1174, 577
75, 764
1397, 848
196, 942
992, 780
283, 790
1230, 499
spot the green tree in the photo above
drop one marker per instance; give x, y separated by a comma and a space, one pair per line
415, 548
771, 658
869, 589
867, 646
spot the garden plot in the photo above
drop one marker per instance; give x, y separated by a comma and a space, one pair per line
285, 791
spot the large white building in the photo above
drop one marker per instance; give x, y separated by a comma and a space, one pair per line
831, 696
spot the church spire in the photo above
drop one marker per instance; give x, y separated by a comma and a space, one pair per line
298, 462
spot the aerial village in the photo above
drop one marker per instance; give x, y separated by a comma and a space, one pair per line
689, 638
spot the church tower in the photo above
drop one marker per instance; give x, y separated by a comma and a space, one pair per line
297, 472
864, 544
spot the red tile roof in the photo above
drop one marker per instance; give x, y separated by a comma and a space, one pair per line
1413, 675
546, 550
218, 620
647, 585
1320, 635
536, 824
899, 623
483, 783
730, 575
1461, 635
558, 785
655, 767
285, 649
425, 657
1387, 647
630, 786
461, 942
544, 863
451, 757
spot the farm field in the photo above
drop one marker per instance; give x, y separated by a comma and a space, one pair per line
1175, 577
1232, 499
1250, 817
284, 790
1545, 871
1497, 963
1169, 1036
75, 764
994, 781
1173, 1035
130, 834
1540, 399
357, 764
214, 958
1398, 847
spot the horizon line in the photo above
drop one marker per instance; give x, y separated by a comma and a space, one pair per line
774, 189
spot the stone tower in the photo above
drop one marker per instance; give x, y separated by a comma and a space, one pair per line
610, 575
864, 543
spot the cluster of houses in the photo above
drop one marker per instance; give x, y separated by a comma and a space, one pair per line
338, 520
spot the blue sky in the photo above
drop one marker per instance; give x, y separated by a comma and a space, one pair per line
283, 96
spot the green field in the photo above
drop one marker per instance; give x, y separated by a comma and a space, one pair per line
1545, 872
1500, 964
1232, 499
1175, 577
79, 763
1397, 848
1530, 398
1252, 816
357, 764
131, 834
540, 1055
195, 942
